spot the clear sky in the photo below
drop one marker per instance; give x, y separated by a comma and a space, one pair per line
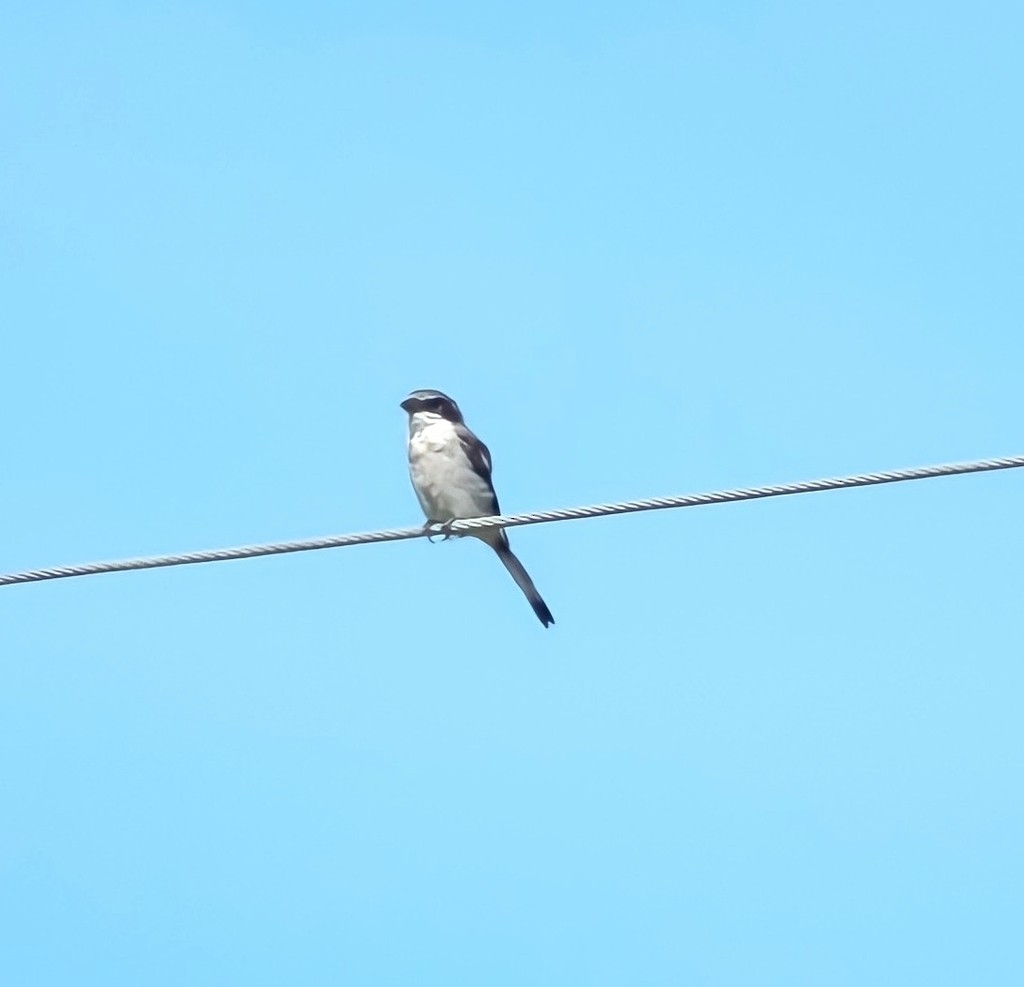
651, 249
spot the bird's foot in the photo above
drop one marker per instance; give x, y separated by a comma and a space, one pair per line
442, 529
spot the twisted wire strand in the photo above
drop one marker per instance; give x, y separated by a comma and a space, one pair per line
516, 520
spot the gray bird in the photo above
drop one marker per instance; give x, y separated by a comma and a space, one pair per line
450, 470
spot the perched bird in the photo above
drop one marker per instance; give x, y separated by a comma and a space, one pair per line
450, 470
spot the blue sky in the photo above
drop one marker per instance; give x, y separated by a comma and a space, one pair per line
651, 249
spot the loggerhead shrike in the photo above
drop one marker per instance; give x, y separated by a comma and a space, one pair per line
451, 474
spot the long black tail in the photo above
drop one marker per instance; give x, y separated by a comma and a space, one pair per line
524, 582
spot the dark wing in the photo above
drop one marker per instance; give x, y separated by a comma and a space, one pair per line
479, 457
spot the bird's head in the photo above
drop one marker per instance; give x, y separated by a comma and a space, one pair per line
433, 404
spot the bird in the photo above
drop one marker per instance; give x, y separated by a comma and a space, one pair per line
450, 469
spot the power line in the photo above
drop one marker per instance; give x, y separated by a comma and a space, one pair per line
515, 520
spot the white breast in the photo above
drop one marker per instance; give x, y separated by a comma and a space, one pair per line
444, 481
